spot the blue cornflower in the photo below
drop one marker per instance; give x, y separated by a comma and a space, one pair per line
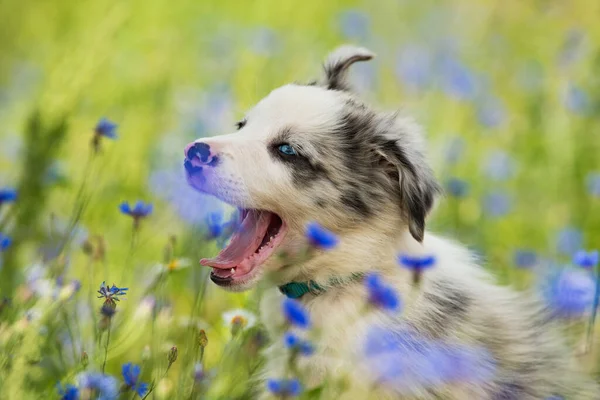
67, 392
593, 184
380, 294
214, 224
491, 112
111, 294
576, 100
499, 166
570, 293
284, 387
416, 262
131, 375
5, 242
7, 195
104, 386
139, 210
569, 240
321, 237
525, 258
106, 128
354, 24
190, 205
497, 204
458, 80
585, 259
457, 187
295, 313
414, 67
294, 342
403, 360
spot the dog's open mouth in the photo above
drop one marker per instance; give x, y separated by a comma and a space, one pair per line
255, 240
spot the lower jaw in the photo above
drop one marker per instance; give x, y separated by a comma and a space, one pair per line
235, 284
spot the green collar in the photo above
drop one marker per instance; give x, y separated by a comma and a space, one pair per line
295, 290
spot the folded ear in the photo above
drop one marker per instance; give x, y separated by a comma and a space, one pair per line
337, 64
406, 164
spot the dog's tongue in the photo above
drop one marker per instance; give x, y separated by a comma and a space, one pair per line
244, 242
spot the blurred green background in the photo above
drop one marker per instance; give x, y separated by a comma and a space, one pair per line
508, 93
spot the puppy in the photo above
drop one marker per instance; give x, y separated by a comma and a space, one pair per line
316, 152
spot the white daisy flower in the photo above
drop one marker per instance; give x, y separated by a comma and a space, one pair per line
238, 318
177, 264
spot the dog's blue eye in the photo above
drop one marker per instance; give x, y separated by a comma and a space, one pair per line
287, 150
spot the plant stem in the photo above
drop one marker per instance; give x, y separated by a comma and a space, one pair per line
106, 345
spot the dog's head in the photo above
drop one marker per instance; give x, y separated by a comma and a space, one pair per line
313, 153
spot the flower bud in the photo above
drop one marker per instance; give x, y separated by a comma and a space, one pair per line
172, 356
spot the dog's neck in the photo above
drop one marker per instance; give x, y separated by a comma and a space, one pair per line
296, 290
356, 256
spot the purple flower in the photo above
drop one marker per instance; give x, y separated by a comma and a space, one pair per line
491, 112
569, 240
67, 392
295, 313
111, 294
401, 359
5, 242
284, 388
576, 100
458, 80
106, 128
320, 237
380, 294
214, 224
105, 386
7, 195
139, 210
354, 24
585, 259
593, 184
569, 293
294, 342
131, 378
191, 206
416, 263
457, 187
525, 258
414, 67
497, 204
499, 166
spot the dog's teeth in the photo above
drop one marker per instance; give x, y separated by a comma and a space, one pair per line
232, 270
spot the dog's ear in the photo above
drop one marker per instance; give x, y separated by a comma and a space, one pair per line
406, 165
337, 64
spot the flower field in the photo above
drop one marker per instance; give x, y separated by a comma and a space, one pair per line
101, 293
